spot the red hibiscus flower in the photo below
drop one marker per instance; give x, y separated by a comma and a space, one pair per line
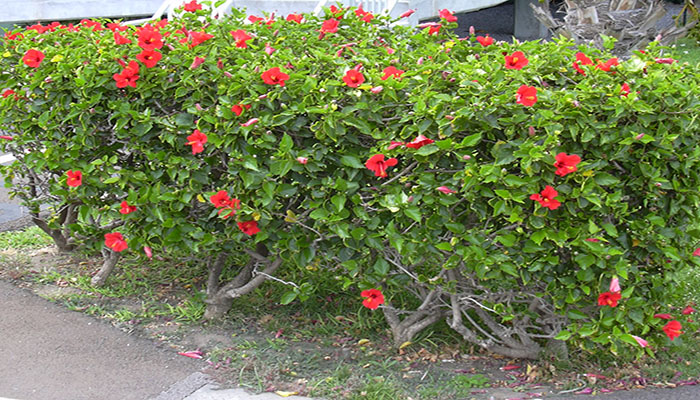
128, 76
115, 241
566, 164
220, 199
640, 341
447, 15
295, 18
75, 178
485, 41
419, 142
88, 23
329, 26
516, 60
353, 78
624, 90
192, 6
434, 29
274, 76
663, 316
672, 329
526, 95
696, 253
407, 14
546, 198
116, 27
149, 38
238, 108
373, 298
241, 38
664, 60
391, 72
378, 165
609, 299
149, 58
119, 39
446, 190
7, 93
33, 58
607, 65
394, 145
581, 59
250, 228
199, 38
126, 208
197, 140
688, 310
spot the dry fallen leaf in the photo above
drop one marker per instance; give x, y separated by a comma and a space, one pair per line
285, 394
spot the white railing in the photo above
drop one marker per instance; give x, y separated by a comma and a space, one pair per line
169, 6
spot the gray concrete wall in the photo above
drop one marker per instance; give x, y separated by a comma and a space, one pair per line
56, 10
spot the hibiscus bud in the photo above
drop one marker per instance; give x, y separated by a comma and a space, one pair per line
220, 64
607, 257
420, 61
302, 160
657, 38
269, 49
197, 62
197, 106
322, 90
390, 51
453, 80
170, 46
148, 251
477, 56
466, 157
545, 84
339, 53
639, 137
262, 96
376, 89
228, 74
48, 80
276, 32
445, 74
531, 131
471, 30
658, 184
576, 104
289, 66
409, 199
92, 110
449, 117
256, 69
408, 184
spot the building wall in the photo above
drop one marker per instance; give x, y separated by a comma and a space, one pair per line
55, 10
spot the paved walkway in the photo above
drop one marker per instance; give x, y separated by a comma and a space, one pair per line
48, 352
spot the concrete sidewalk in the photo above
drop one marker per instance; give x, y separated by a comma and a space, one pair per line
48, 352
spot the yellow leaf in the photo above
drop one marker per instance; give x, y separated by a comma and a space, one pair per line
57, 58
285, 394
365, 87
7, 54
635, 242
201, 198
362, 341
291, 218
256, 215
405, 344
587, 173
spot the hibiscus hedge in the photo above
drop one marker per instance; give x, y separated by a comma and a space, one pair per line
520, 191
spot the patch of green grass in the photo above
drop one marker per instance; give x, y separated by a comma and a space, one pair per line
686, 49
30, 238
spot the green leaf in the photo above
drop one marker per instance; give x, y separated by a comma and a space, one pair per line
339, 202
427, 150
413, 212
351, 161
288, 297
286, 143
471, 140
563, 335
